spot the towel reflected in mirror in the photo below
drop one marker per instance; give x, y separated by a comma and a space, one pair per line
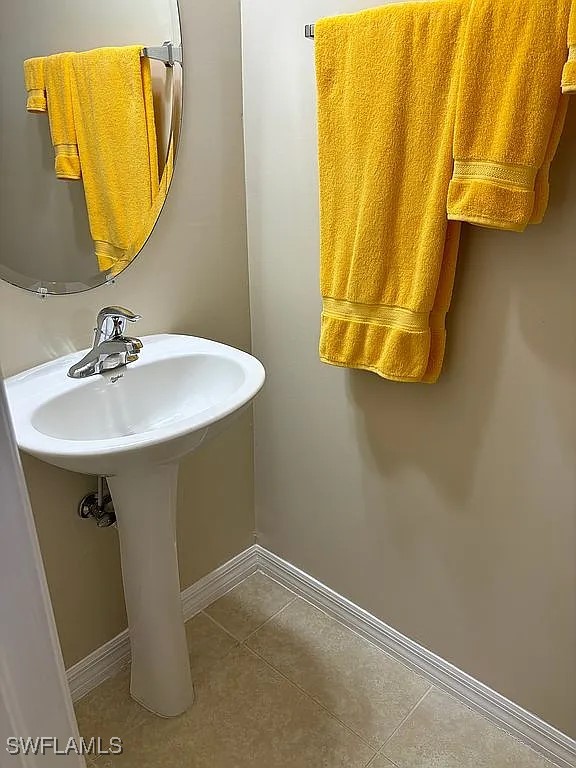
100, 105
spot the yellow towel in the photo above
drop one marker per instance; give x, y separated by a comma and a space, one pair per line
57, 73
569, 74
34, 81
510, 111
387, 85
148, 221
114, 117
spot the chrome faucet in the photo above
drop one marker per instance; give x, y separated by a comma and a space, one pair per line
111, 348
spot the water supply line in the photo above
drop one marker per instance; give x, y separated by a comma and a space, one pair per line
98, 505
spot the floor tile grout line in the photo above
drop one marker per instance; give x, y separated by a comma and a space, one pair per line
403, 722
326, 611
227, 631
294, 596
259, 627
268, 620
235, 586
243, 643
217, 623
312, 698
381, 754
376, 756
275, 580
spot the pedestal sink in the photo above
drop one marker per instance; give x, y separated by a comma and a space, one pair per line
133, 425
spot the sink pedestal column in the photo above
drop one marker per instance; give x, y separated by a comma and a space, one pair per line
145, 504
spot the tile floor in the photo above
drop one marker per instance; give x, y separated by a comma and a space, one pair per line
279, 684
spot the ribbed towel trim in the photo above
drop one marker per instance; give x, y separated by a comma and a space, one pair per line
399, 318
522, 176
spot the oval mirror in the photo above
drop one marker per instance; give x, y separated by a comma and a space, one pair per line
90, 105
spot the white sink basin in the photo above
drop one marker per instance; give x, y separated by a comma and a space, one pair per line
133, 425
163, 406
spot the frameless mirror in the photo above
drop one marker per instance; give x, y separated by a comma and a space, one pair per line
90, 105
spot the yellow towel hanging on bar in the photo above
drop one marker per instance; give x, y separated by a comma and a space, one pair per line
510, 111
387, 85
35, 84
57, 74
148, 221
569, 74
114, 116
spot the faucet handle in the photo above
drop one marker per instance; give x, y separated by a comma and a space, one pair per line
125, 314
111, 322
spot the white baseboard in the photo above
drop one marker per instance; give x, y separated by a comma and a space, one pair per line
523, 725
114, 655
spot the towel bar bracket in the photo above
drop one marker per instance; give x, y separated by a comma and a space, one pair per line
309, 31
167, 53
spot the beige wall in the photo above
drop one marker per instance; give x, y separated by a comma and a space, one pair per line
191, 278
448, 511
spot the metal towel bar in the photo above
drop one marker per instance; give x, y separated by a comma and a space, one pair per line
167, 53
